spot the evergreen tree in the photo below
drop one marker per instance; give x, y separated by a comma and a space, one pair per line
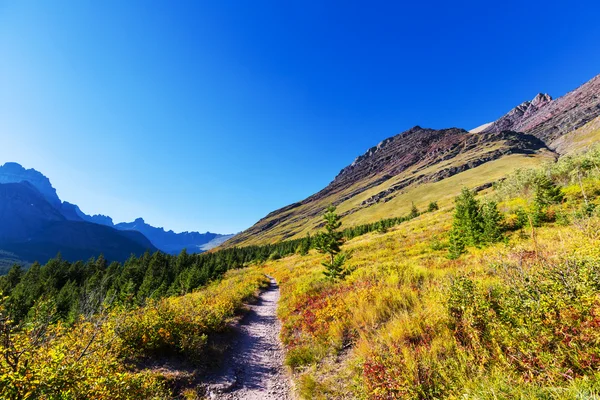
468, 221
414, 211
330, 242
433, 206
456, 245
492, 222
11, 280
546, 193
304, 245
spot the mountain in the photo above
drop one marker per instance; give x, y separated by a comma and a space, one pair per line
550, 119
23, 211
422, 165
171, 242
167, 241
13, 173
32, 229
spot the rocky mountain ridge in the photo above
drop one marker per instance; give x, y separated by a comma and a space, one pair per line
12, 172
550, 119
420, 156
170, 241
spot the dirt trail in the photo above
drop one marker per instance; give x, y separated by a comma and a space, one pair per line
253, 368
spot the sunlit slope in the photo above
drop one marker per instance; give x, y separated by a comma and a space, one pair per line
580, 139
421, 165
472, 160
513, 319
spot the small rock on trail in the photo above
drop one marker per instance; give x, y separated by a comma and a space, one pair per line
253, 368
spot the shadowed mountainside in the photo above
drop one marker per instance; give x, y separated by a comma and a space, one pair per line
167, 241
32, 229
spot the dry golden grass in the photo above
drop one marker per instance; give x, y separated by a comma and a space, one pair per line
580, 139
443, 192
386, 333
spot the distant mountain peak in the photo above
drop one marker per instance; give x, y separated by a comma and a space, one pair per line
12, 172
13, 166
527, 108
168, 241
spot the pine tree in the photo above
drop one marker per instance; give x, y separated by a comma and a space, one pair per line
304, 245
456, 246
546, 193
380, 227
433, 206
492, 222
468, 221
414, 211
330, 242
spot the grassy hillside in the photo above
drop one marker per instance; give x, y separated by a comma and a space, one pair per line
580, 139
387, 178
295, 223
516, 319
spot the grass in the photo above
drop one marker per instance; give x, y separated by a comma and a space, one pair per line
518, 319
580, 139
296, 223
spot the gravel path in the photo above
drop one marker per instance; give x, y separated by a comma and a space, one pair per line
253, 368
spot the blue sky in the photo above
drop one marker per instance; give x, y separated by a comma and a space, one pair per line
207, 115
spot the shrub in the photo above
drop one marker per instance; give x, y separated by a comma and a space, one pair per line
433, 206
182, 325
69, 362
300, 356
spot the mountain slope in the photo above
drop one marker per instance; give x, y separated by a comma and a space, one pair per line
167, 241
381, 182
422, 165
34, 230
24, 210
550, 119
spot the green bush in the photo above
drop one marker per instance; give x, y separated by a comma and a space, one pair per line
300, 357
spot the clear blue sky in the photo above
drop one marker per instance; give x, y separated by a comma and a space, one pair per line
207, 115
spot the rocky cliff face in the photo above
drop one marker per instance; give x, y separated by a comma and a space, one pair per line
550, 119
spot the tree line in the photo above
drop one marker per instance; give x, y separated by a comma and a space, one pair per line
80, 287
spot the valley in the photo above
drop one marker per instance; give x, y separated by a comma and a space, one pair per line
439, 264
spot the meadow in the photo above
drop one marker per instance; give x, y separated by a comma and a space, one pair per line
514, 319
